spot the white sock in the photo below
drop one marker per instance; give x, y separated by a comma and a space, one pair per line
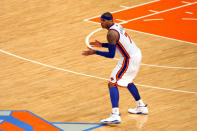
115, 111
140, 103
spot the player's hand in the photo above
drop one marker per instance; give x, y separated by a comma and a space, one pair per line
96, 43
88, 52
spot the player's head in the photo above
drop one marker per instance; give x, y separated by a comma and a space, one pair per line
106, 20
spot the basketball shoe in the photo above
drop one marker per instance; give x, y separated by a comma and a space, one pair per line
113, 119
139, 110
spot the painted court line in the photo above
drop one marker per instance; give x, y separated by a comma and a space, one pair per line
163, 37
153, 11
120, 20
50, 66
153, 19
185, 2
124, 9
178, 7
17, 122
124, 6
184, 68
189, 18
189, 68
26, 120
189, 12
86, 126
99, 29
57, 68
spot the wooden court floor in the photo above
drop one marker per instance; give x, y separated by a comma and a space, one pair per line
42, 69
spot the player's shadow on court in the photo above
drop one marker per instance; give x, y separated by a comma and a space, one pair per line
140, 120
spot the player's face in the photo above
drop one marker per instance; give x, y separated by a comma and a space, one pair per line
104, 23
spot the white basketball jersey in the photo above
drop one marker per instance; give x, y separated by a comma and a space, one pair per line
125, 46
129, 63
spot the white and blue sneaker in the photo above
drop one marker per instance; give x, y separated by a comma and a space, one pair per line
113, 119
139, 110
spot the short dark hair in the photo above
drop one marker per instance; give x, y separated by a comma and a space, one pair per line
107, 14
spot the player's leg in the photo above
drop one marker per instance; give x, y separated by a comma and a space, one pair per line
115, 115
127, 80
113, 90
114, 96
141, 107
134, 92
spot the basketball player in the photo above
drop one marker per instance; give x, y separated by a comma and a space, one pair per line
126, 70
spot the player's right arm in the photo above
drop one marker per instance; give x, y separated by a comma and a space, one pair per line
97, 43
112, 37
